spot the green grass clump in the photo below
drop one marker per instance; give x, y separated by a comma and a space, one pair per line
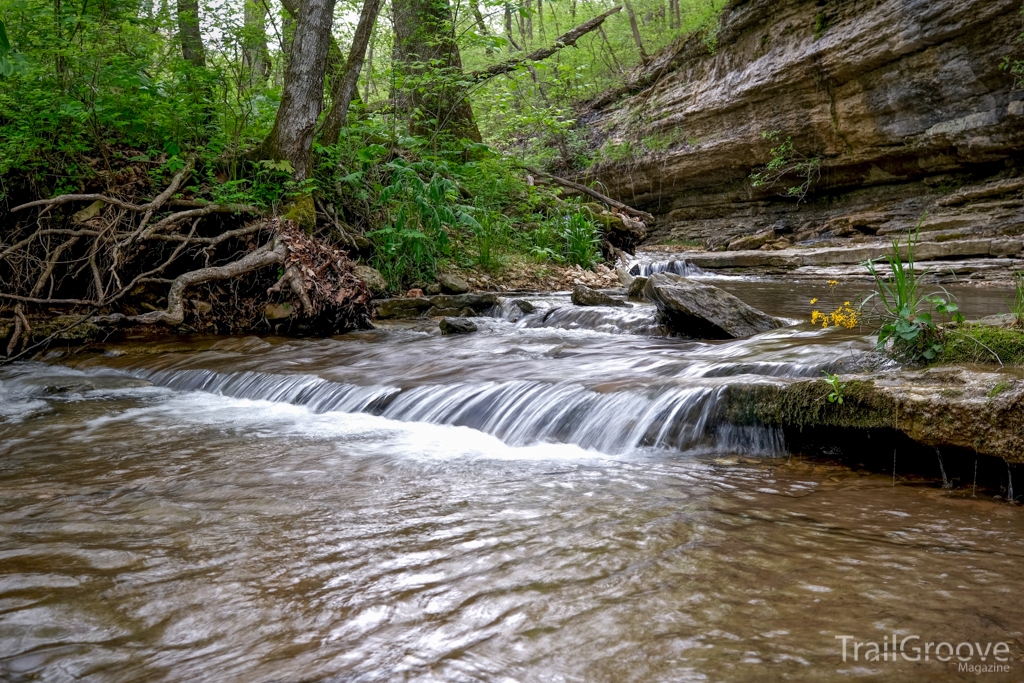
975, 343
999, 388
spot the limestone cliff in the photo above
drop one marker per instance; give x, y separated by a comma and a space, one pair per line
903, 101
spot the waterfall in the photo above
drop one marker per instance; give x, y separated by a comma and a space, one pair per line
677, 267
683, 418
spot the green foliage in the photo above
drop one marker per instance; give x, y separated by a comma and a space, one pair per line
837, 393
820, 25
1014, 62
421, 212
906, 327
1017, 305
491, 236
581, 239
796, 171
86, 89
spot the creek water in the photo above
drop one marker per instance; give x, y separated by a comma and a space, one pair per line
551, 498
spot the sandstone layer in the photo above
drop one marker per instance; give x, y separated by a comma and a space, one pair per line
904, 102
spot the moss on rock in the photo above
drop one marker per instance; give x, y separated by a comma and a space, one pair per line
982, 343
302, 212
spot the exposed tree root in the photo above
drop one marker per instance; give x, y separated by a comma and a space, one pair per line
118, 256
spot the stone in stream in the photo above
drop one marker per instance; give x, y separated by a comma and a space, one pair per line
452, 284
415, 307
585, 296
636, 288
456, 326
524, 306
703, 311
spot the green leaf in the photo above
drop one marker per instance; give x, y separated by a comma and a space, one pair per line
5, 44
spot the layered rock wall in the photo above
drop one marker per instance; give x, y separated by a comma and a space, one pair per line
904, 102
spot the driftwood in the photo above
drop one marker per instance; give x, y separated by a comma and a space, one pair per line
624, 208
564, 40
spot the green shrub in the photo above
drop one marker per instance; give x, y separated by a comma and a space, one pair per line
906, 328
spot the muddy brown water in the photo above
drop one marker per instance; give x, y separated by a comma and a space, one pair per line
550, 499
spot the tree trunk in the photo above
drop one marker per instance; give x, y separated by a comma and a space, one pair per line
508, 26
430, 67
371, 85
291, 138
189, 34
636, 30
255, 55
343, 87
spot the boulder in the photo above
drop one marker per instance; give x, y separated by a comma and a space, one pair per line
375, 282
755, 241
703, 311
433, 289
524, 306
456, 326
452, 284
480, 303
636, 288
585, 296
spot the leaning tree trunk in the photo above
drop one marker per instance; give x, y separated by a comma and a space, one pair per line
343, 88
291, 139
189, 34
431, 83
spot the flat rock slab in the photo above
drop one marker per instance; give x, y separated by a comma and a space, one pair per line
585, 296
795, 258
703, 311
943, 407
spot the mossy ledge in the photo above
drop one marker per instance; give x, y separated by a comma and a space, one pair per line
938, 407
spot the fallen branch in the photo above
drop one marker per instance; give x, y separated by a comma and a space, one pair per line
624, 208
564, 40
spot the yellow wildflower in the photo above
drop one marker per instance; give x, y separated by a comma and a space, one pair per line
814, 301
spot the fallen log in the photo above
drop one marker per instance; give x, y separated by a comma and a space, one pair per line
624, 208
564, 40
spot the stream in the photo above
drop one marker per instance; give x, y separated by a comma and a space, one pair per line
551, 498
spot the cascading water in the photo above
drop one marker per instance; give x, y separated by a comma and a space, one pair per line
674, 266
